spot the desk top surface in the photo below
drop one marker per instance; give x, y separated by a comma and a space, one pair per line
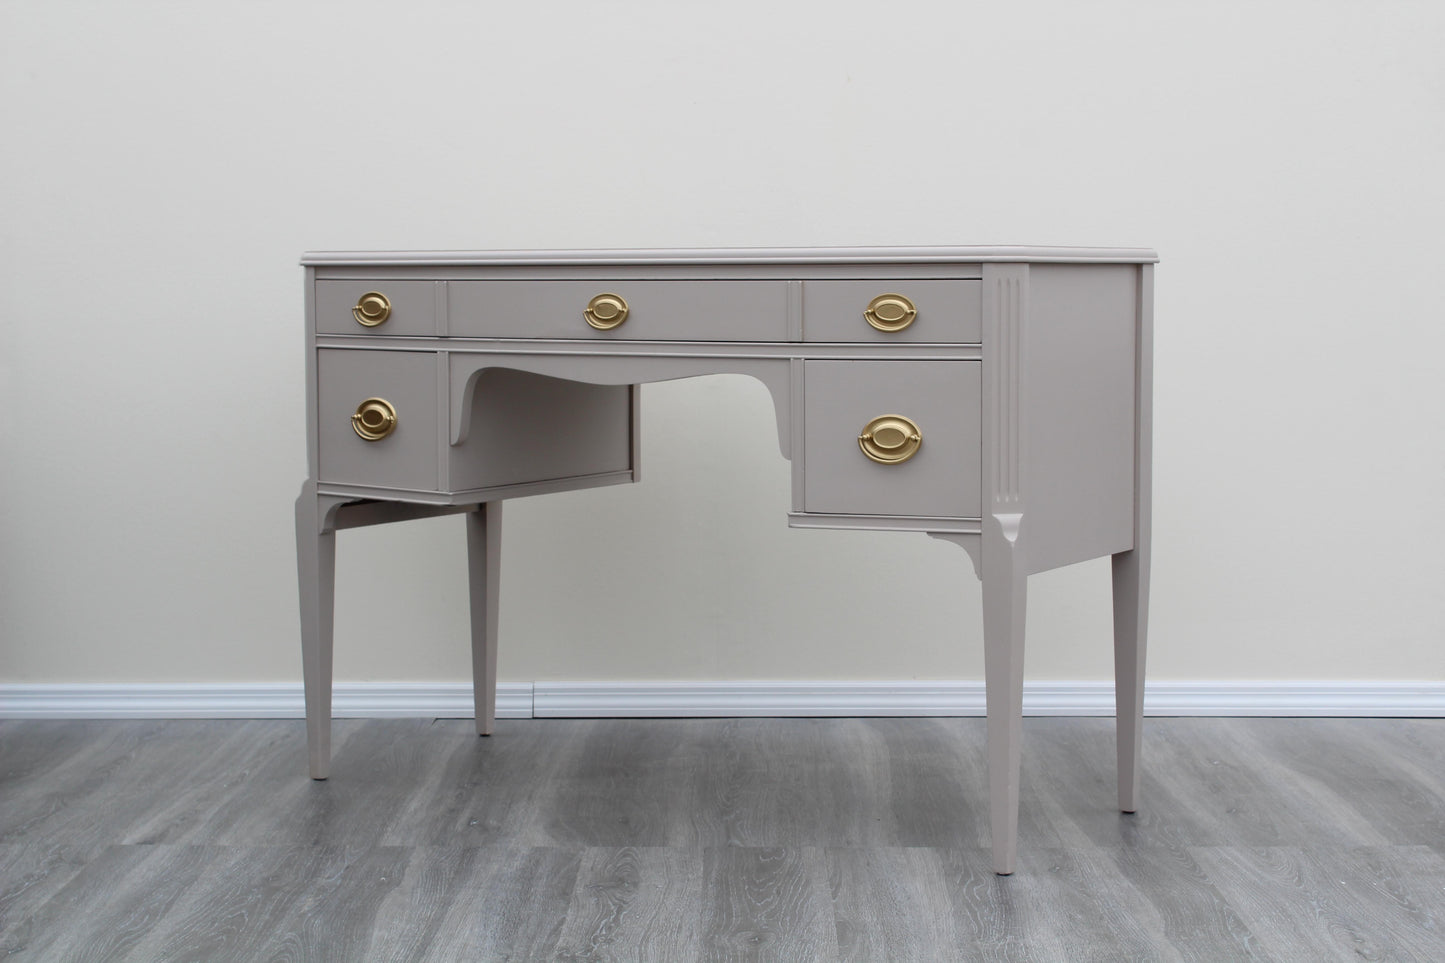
744, 255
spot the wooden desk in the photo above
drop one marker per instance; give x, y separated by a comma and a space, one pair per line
996, 397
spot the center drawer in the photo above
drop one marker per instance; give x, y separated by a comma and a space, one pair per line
893, 438
625, 310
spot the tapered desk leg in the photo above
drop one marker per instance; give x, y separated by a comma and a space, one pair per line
316, 582
1131, 620
1131, 569
1004, 597
484, 562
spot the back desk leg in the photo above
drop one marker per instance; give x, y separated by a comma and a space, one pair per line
484, 563
316, 582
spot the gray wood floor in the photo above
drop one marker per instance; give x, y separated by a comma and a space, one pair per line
759, 839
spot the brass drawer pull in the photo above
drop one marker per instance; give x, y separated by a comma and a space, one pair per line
372, 308
890, 439
375, 418
606, 311
890, 312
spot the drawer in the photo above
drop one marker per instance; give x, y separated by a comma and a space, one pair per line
407, 307
944, 312
407, 381
943, 477
656, 310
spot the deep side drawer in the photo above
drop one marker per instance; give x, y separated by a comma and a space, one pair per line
941, 476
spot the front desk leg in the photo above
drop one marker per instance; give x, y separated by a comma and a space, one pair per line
1004, 597
484, 564
316, 581
1131, 619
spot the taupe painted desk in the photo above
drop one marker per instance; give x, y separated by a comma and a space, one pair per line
997, 397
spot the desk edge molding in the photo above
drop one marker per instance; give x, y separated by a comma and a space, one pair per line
706, 256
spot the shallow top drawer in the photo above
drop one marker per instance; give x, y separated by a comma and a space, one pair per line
937, 311
376, 307
627, 310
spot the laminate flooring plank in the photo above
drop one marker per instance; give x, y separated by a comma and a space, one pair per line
248, 902
767, 904
109, 906
219, 768
32, 873
1208, 782
937, 781
634, 904
262, 794
762, 784
892, 904
794, 783
335, 920
1193, 916
1066, 905
994, 916
626, 783
486, 791
1067, 777
799, 783
91, 791
1397, 776
1377, 903
467, 904
1070, 765
33, 750
1324, 784
377, 767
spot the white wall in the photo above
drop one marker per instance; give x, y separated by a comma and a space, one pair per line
163, 165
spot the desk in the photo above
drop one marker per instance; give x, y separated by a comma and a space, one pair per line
996, 397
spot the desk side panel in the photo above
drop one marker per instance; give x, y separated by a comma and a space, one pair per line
1079, 450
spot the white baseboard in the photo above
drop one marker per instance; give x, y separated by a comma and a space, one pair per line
522, 700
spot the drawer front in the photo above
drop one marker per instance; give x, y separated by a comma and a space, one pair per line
411, 307
407, 457
656, 310
946, 312
943, 477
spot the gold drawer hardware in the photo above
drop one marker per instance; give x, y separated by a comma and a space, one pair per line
375, 418
606, 311
890, 312
890, 439
372, 309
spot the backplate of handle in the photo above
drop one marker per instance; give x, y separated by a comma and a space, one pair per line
606, 311
890, 312
375, 418
890, 439
372, 308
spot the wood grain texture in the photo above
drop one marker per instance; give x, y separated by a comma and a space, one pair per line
1372, 904
767, 904
717, 839
635, 903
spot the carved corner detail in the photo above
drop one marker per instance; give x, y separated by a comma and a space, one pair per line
970, 543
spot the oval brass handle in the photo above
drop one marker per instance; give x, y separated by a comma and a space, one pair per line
372, 308
606, 311
890, 312
375, 418
890, 439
